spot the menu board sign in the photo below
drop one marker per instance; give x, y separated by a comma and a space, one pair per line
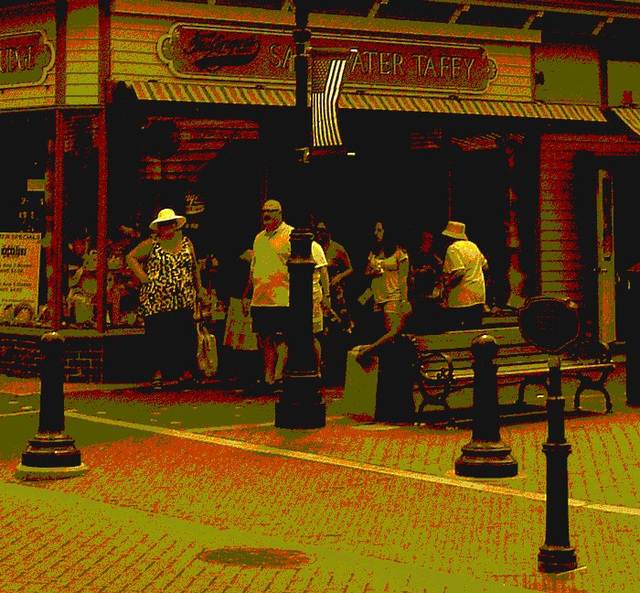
19, 270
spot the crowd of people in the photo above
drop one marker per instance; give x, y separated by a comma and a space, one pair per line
425, 286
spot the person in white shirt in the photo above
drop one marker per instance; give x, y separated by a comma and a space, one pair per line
463, 281
269, 288
388, 266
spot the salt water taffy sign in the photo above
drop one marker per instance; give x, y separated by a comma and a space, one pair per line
208, 51
19, 271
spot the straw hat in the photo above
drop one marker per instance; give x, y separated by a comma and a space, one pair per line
167, 215
455, 230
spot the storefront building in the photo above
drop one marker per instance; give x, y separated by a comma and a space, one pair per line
517, 118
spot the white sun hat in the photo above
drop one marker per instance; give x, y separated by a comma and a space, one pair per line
167, 215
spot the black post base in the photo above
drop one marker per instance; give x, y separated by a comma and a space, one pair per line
555, 559
50, 456
481, 459
300, 415
51, 450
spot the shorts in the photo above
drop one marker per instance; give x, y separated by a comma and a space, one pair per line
269, 321
402, 308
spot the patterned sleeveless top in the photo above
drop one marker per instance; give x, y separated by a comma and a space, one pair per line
171, 285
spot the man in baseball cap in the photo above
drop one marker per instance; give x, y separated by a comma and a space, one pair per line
268, 290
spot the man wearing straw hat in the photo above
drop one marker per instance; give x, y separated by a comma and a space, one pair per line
463, 282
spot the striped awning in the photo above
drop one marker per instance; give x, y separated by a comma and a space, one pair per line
473, 107
630, 116
152, 90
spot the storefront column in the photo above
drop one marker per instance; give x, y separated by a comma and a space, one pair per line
101, 240
54, 263
514, 273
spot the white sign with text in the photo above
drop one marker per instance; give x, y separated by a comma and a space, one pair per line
19, 270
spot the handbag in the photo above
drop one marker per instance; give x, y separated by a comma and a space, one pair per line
207, 351
238, 333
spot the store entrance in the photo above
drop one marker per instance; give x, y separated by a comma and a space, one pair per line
625, 228
479, 198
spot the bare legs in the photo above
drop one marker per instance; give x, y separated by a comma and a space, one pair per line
274, 354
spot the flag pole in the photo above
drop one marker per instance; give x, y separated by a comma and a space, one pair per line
300, 404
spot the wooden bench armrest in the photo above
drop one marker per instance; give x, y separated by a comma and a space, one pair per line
585, 351
435, 367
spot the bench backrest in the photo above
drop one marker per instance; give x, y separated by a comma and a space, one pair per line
512, 347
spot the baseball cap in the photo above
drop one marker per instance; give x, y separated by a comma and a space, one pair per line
272, 205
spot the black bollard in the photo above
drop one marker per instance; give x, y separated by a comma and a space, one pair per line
300, 404
556, 555
485, 456
51, 454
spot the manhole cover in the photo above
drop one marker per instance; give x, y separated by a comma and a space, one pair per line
264, 557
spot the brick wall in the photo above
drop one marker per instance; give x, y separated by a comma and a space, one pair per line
91, 358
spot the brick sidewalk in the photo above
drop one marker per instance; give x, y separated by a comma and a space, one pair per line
209, 506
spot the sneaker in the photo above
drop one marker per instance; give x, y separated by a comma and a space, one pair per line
187, 382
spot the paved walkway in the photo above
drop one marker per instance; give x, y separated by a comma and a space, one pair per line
191, 492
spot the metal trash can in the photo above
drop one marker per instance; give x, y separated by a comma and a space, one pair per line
632, 338
394, 393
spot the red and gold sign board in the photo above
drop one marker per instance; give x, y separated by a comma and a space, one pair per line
25, 58
549, 323
200, 51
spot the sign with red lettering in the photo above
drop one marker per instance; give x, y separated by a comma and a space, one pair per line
25, 58
200, 51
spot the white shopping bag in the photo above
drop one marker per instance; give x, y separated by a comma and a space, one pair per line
237, 332
360, 386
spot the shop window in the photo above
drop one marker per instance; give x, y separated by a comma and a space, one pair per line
23, 281
567, 74
623, 83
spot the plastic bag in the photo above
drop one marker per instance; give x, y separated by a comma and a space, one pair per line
207, 351
238, 333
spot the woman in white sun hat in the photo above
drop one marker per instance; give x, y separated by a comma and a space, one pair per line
169, 274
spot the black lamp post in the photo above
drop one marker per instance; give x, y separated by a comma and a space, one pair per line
300, 404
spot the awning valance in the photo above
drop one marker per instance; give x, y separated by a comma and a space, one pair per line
630, 116
473, 107
151, 90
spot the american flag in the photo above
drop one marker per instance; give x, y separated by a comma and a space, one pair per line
327, 72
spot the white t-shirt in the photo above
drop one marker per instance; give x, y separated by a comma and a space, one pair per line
387, 286
271, 252
465, 255
318, 255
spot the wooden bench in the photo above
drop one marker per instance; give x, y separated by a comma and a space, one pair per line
443, 364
